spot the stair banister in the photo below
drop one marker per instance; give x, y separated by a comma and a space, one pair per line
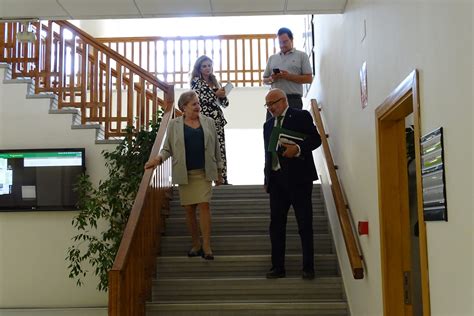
134, 266
239, 58
355, 258
84, 73
124, 61
131, 274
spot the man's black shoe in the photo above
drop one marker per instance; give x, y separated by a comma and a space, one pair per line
275, 274
308, 275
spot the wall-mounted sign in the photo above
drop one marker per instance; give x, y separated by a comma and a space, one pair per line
364, 97
432, 171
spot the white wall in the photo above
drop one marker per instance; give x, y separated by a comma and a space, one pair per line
435, 37
245, 116
33, 270
245, 110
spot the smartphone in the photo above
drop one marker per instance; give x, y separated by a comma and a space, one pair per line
276, 70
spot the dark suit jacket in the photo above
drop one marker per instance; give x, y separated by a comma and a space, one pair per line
299, 169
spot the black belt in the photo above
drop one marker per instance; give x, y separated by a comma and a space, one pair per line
293, 96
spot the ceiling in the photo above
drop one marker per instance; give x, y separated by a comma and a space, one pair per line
110, 9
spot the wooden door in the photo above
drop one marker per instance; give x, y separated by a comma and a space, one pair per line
395, 229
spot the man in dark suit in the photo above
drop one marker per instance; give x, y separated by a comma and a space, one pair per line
289, 176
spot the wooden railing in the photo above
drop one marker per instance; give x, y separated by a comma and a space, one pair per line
355, 258
109, 89
130, 279
83, 74
240, 59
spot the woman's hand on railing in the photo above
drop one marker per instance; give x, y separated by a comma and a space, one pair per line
153, 162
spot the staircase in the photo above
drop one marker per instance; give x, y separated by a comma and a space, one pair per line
74, 113
102, 89
234, 283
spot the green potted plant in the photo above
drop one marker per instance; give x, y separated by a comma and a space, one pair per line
105, 209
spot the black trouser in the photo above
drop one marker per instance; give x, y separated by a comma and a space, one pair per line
294, 101
282, 195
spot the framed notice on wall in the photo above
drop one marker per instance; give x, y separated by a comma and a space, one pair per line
433, 175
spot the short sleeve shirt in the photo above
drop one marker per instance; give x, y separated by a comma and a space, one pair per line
295, 62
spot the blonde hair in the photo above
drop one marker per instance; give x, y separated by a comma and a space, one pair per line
185, 98
196, 73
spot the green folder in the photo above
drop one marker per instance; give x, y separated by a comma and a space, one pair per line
280, 132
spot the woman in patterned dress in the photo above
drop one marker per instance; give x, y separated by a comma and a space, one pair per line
212, 99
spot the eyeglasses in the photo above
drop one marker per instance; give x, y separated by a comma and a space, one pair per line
271, 103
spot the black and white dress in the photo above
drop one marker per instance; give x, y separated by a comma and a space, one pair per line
213, 109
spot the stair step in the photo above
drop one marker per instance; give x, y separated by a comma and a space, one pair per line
64, 111
239, 266
260, 309
243, 225
234, 283
247, 290
108, 141
247, 244
87, 126
17, 80
250, 187
244, 192
241, 207
41, 96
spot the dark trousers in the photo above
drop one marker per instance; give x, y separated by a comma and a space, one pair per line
294, 101
282, 196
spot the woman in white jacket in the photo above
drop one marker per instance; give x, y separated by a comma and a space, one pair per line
192, 142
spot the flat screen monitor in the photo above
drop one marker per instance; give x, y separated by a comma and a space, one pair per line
40, 179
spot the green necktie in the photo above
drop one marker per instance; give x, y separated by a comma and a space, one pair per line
274, 154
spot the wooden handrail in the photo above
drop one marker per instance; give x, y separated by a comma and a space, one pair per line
240, 58
135, 263
82, 73
109, 89
111, 53
355, 259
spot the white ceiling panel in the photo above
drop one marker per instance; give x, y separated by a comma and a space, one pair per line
228, 7
84, 9
31, 8
316, 6
110, 9
174, 7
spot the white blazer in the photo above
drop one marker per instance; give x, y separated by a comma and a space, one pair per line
174, 147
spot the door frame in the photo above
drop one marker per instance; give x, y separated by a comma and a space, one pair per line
394, 211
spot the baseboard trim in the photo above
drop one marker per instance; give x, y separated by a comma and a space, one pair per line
63, 311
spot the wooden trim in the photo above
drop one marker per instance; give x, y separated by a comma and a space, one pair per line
61, 67
135, 214
130, 277
84, 79
393, 197
52, 60
116, 56
220, 48
355, 258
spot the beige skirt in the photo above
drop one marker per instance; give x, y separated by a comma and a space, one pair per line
198, 189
